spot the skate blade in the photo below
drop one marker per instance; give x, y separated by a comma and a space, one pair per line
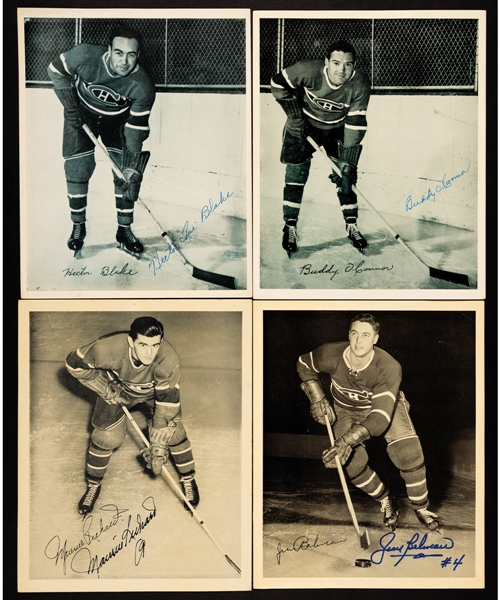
136, 255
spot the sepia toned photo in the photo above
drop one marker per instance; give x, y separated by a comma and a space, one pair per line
369, 154
135, 153
369, 430
135, 446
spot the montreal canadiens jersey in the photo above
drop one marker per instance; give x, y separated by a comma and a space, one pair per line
374, 387
86, 67
159, 380
326, 105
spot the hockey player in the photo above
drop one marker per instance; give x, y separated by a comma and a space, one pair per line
109, 91
367, 403
327, 100
128, 368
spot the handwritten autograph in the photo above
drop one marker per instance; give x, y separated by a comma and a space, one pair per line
354, 269
186, 232
431, 194
303, 543
416, 548
80, 558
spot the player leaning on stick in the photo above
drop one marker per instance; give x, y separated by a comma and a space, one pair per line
326, 99
367, 403
109, 91
129, 368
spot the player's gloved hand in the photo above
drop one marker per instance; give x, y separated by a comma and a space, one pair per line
320, 407
133, 167
348, 165
156, 454
113, 393
73, 112
343, 446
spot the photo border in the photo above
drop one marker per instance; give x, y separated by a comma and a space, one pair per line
339, 582
240, 582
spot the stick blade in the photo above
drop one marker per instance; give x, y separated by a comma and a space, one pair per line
216, 278
234, 565
364, 540
449, 276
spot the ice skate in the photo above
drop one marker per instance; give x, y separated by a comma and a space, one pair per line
428, 518
78, 234
290, 237
190, 490
353, 233
128, 242
86, 504
389, 507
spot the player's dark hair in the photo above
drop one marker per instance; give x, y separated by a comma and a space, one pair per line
147, 326
366, 318
340, 46
130, 33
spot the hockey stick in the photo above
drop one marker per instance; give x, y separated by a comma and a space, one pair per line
208, 276
433, 271
172, 481
364, 538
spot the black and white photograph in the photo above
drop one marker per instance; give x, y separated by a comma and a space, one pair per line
135, 446
135, 153
369, 154
369, 433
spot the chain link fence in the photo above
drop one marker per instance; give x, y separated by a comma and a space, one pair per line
193, 54
425, 55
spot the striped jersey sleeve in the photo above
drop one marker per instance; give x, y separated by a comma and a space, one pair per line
385, 395
356, 123
321, 360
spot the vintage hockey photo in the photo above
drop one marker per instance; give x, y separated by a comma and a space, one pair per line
135, 153
369, 154
369, 434
135, 446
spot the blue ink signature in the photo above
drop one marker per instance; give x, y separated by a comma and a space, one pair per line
186, 232
414, 548
157, 263
431, 194
209, 208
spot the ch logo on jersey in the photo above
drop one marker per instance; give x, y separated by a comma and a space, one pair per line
329, 105
361, 396
140, 388
105, 95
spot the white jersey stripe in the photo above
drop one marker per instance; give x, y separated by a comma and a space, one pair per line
382, 412
388, 393
63, 60
312, 362
285, 75
142, 128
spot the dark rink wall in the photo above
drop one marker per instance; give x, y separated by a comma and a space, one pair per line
438, 356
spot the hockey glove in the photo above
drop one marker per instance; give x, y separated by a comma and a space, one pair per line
343, 446
320, 407
347, 163
72, 110
156, 454
103, 383
133, 167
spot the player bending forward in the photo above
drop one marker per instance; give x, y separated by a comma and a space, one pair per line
129, 368
367, 403
327, 100
109, 91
